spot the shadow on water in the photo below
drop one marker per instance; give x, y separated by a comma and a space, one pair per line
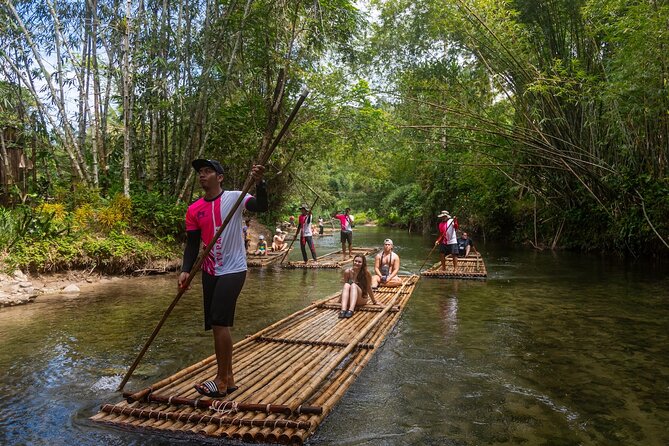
554, 348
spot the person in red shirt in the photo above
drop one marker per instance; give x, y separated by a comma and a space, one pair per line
346, 221
448, 239
306, 234
224, 269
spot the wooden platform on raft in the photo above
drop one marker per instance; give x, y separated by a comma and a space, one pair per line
331, 260
470, 267
268, 259
290, 376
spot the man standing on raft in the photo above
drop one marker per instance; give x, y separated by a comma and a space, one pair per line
224, 269
448, 238
306, 234
346, 221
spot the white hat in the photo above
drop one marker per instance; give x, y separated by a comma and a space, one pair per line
279, 230
444, 214
261, 237
387, 241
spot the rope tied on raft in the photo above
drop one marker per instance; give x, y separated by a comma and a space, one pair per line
225, 407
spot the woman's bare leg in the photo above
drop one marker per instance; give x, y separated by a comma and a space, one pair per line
355, 293
345, 296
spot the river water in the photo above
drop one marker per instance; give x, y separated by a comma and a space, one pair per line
554, 348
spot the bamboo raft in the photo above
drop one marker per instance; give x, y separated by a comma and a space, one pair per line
268, 259
290, 376
470, 267
331, 260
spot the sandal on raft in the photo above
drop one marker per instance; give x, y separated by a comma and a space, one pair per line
210, 389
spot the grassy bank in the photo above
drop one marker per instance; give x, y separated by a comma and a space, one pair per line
80, 231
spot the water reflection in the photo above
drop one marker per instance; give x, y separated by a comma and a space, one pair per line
552, 349
449, 315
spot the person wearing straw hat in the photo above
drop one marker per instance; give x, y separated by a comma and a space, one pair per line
306, 234
278, 243
357, 290
386, 267
448, 239
224, 269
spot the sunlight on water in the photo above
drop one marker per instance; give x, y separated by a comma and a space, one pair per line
107, 383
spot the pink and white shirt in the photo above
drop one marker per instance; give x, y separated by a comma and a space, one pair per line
345, 221
447, 230
228, 255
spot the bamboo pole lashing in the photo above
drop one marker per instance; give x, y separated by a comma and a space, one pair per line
158, 414
138, 395
378, 333
306, 342
301, 437
308, 391
305, 367
216, 404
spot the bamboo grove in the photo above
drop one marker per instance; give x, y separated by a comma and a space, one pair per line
546, 123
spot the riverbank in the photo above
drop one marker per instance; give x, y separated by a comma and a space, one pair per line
18, 288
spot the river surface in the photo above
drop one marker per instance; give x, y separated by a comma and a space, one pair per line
554, 349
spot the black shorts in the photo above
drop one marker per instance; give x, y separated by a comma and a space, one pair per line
220, 295
347, 236
448, 249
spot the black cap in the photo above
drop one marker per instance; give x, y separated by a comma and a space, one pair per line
200, 163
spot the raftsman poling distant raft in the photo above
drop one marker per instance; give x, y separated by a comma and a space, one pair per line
290, 375
333, 259
470, 267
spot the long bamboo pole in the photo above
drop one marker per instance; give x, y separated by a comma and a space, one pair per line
426, 259
263, 158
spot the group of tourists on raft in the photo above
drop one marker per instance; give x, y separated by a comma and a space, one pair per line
224, 268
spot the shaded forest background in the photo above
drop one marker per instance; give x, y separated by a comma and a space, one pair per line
544, 123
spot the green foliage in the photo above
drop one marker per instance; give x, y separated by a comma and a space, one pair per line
154, 214
402, 206
76, 194
7, 227
45, 255
116, 253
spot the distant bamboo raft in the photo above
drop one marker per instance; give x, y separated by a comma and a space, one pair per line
470, 267
332, 259
290, 376
268, 259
